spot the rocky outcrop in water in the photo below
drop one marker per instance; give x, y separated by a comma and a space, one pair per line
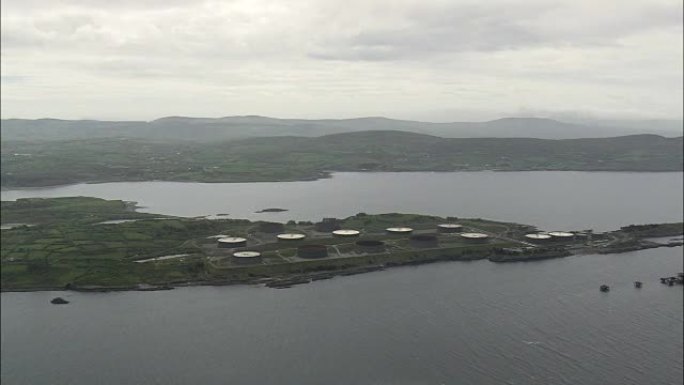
59, 301
271, 210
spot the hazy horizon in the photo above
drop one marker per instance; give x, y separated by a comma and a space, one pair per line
578, 120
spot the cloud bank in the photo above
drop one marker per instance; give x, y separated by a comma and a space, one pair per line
306, 58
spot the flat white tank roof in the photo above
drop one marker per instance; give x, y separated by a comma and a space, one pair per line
561, 234
538, 236
291, 236
474, 235
399, 229
449, 226
247, 254
346, 233
232, 240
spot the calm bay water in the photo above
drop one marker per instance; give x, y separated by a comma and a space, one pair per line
447, 323
550, 200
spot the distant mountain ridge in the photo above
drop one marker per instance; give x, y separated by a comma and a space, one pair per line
178, 128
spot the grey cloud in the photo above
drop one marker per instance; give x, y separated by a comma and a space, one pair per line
28, 6
424, 30
463, 35
430, 30
416, 31
169, 33
339, 55
53, 31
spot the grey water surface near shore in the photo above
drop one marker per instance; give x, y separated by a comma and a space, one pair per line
551, 200
446, 323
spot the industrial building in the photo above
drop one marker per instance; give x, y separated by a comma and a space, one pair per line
231, 242
246, 257
327, 225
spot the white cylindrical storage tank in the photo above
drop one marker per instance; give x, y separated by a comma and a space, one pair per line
475, 237
246, 257
399, 230
449, 228
538, 237
346, 233
231, 242
562, 235
290, 237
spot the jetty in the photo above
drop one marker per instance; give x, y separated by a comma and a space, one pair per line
671, 281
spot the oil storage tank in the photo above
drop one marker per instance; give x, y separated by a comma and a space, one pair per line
475, 237
246, 257
399, 230
290, 237
560, 236
448, 228
343, 233
538, 237
231, 242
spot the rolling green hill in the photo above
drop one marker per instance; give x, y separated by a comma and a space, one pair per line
208, 130
302, 158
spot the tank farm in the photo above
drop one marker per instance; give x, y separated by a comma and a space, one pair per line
271, 243
271, 252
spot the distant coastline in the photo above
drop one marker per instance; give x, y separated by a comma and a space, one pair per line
284, 282
281, 159
319, 176
324, 175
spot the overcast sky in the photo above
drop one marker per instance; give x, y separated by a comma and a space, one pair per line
417, 59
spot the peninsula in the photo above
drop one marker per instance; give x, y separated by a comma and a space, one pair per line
91, 244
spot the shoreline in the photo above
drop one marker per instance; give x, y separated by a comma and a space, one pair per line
70, 251
305, 278
327, 174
